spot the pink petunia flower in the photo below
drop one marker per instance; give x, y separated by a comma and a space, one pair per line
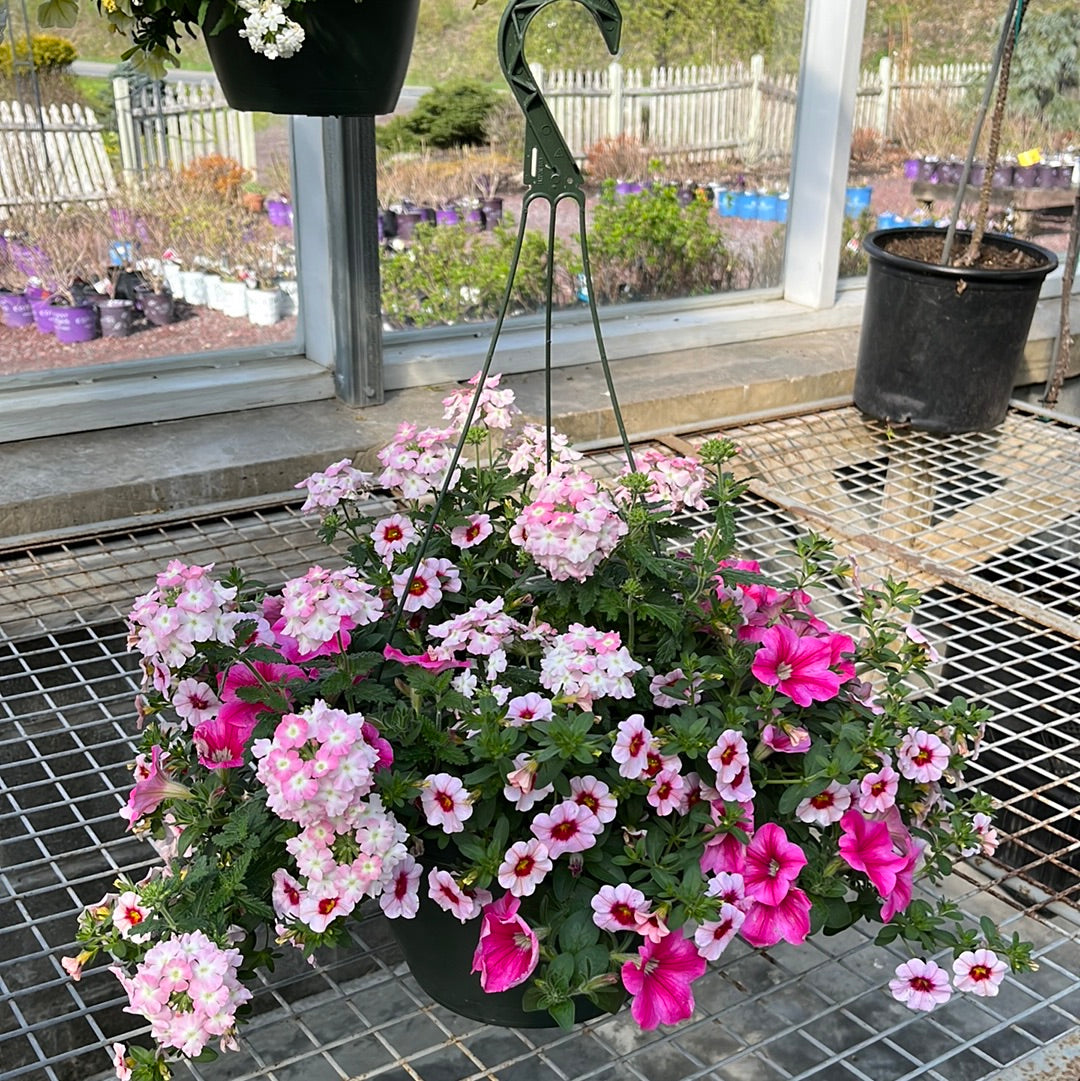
508, 950
797, 666
979, 972
772, 864
920, 985
525, 865
151, 789
618, 908
445, 802
568, 828
660, 981
866, 846
766, 925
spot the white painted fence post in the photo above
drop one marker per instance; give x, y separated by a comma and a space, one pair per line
615, 100
753, 128
885, 98
125, 125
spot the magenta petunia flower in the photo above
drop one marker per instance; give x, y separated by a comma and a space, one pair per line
766, 925
660, 981
508, 950
866, 846
795, 665
423, 660
920, 985
772, 864
220, 745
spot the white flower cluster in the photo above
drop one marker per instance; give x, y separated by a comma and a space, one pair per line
269, 30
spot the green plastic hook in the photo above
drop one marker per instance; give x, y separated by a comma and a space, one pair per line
550, 169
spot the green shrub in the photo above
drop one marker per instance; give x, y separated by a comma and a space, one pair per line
449, 275
49, 52
647, 247
453, 114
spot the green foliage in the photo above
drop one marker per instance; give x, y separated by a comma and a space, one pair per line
49, 53
1045, 78
449, 275
647, 246
452, 114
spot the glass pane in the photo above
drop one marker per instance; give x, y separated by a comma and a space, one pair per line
685, 143
136, 219
924, 75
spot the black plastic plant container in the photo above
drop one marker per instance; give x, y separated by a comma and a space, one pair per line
941, 347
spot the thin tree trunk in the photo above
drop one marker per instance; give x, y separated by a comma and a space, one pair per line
1064, 343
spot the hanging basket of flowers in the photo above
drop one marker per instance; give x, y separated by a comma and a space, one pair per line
596, 744
308, 57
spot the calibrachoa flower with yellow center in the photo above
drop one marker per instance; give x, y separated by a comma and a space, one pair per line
544, 711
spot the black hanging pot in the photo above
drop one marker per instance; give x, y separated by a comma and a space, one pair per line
439, 949
352, 62
941, 347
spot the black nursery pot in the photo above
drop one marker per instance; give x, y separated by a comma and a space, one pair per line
439, 949
941, 347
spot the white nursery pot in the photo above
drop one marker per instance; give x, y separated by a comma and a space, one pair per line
174, 278
214, 296
194, 282
264, 307
234, 299
290, 296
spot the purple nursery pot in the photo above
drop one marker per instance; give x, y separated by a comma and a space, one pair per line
116, 317
407, 221
1003, 175
74, 323
929, 170
447, 215
1024, 176
42, 309
474, 220
911, 168
428, 216
279, 212
493, 211
15, 310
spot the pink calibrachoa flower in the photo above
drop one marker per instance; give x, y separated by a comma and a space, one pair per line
128, 913
666, 791
866, 846
920, 985
195, 701
632, 746
508, 950
660, 981
659, 685
796, 665
730, 889
478, 530
827, 807
786, 739
772, 864
713, 936
393, 535
526, 708
618, 908
525, 865
595, 796
766, 925
987, 834
729, 756
445, 891
568, 828
520, 787
151, 789
401, 899
979, 972
922, 757
122, 1064
446, 802
877, 790
425, 589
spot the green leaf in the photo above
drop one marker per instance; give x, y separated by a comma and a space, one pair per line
563, 1014
58, 13
578, 932
561, 969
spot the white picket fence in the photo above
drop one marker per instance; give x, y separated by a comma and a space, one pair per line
56, 155
172, 124
736, 110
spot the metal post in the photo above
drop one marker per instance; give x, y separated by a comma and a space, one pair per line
352, 201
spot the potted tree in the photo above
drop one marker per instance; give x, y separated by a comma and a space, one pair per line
324, 58
947, 313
